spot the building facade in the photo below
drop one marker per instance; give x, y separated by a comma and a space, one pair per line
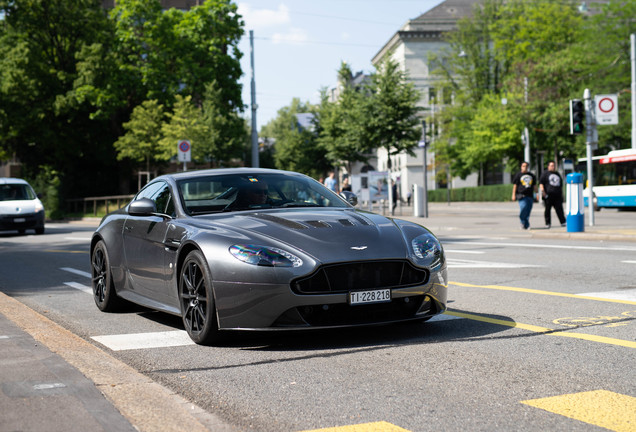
412, 48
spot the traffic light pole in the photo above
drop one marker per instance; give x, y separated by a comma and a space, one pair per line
589, 124
632, 39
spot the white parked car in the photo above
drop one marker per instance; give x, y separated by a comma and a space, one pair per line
20, 207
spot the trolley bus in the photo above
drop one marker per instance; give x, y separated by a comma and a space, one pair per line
614, 179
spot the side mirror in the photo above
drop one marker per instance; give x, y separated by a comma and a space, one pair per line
349, 197
142, 207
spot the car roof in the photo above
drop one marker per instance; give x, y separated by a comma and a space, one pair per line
224, 171
12, 180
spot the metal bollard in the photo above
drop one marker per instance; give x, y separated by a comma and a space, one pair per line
574, 194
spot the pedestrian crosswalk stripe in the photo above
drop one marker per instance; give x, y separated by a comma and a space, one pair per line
75, 271
122, 342
606, 409
80, 287
364, 427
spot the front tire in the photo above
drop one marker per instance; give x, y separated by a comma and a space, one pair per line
197, 300
104, 293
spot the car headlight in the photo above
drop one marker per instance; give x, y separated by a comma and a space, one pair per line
426, 247
39, 207
264, 256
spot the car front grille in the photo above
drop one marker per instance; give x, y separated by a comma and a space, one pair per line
405, 308
8, 221
366, 275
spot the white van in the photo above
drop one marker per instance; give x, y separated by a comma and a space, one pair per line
20, 207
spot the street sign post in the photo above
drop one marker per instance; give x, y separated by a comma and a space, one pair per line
184, 152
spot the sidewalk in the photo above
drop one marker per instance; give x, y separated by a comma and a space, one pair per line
53, 381
483, 219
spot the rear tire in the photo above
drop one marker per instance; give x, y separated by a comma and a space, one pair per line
197, 300
104, 293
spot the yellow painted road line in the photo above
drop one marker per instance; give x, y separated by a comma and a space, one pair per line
601, 408
545, 330
550, 293
365, 427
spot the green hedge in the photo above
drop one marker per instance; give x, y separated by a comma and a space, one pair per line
479, 193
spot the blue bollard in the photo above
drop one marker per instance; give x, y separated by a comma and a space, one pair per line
575, 221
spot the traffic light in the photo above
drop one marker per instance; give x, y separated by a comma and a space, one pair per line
577, 116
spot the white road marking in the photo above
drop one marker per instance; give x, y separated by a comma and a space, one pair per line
458, 263
626, 294
48, 386
77, 272
133, 341
464, 251
86, 239
444, 317
545, 246
629, 262
80, 287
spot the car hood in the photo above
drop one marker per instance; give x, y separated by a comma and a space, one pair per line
18, 207
326, 235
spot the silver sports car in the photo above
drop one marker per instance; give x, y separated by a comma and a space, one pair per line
259, 249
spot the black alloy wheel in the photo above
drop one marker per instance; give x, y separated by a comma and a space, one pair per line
197, 301
104, 293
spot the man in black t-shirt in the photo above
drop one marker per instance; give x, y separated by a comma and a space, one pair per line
524, 185
551, 185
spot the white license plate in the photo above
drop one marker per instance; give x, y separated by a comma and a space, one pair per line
366, 297
19, 220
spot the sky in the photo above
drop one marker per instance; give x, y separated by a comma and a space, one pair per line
300, 44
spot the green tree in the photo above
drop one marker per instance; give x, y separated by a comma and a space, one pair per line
227, 131
525, 52
296, 148
39, 40
142, 141
185, 122
390, 111
341, 123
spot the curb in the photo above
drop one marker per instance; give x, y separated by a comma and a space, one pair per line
148, 406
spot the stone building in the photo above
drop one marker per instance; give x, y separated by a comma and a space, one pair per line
412, 47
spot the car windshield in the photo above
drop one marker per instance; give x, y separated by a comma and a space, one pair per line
16, 192
236, 192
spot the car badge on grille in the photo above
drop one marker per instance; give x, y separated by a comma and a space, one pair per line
359, 248
17, 209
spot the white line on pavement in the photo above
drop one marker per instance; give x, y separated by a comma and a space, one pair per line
123, 342
545, 246
77, 272
626, 294
458, 263
80, 287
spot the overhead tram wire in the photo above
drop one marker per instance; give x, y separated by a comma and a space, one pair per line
296, 42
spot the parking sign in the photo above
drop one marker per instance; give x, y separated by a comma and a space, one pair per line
184, 151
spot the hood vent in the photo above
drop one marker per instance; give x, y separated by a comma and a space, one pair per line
285, 222
318, 224
363, 221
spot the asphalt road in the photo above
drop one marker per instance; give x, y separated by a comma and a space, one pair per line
540, 335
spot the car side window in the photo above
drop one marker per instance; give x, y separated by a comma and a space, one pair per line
159, 192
